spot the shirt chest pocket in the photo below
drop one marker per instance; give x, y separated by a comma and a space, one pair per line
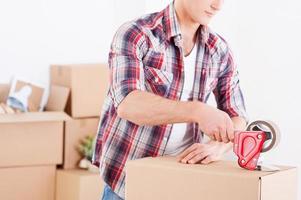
211, 84
157, 81
210, 76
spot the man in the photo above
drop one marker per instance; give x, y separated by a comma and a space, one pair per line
163, 68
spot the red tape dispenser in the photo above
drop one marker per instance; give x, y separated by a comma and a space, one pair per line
260, 136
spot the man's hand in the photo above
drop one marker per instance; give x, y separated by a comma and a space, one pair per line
204, 153
214, 123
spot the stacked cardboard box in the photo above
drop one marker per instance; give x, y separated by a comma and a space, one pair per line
28, 182
31, 145
75, 131
88, 85
165, 178
77, 184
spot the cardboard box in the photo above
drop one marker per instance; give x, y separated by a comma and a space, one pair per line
32, 138
58, 97
75, 131
164, 178
88, 84
78, 185
28, 183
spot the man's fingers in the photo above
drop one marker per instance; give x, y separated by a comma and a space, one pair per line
207, 160
235, 132
215, 135
193, 154
225, 138
190, 156
187, 151
230, 130
223, 134
212, 137
198, 157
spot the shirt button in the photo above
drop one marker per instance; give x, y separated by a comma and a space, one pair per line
156, 79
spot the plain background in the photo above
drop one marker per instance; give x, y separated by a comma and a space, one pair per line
264, 36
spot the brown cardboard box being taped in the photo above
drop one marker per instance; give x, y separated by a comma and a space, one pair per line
164, 178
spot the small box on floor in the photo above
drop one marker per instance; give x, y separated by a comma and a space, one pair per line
164, 178
88, 84
77, 184
30, 183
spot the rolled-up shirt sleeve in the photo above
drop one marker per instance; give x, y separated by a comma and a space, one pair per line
228, 93
125, 63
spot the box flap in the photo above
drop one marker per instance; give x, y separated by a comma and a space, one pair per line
4, 90
77, 172
58, 97
34, 117
220, 167
82, 65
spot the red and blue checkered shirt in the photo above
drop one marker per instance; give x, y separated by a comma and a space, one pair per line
146, 54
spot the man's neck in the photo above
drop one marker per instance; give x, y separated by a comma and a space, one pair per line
188, 28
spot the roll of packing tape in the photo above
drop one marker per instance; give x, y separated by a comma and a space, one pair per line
267, 126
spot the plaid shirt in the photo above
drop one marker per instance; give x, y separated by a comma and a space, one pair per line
146, 55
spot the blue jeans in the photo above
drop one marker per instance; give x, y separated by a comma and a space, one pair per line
108, 194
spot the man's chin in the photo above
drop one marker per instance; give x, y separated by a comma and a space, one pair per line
204, 21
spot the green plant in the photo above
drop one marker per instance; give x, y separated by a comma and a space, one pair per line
86, 147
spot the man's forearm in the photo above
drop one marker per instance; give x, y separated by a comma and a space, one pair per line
144, 108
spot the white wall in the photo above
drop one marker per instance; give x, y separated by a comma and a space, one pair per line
264, 35
265, 38
269, 55
37, 33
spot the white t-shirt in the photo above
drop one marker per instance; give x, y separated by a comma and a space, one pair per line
180, 139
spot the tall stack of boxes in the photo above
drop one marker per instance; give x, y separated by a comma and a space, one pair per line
38, 150
31, 145
88, 86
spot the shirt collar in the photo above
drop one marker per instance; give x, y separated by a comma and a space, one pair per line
172, 27
170, 21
